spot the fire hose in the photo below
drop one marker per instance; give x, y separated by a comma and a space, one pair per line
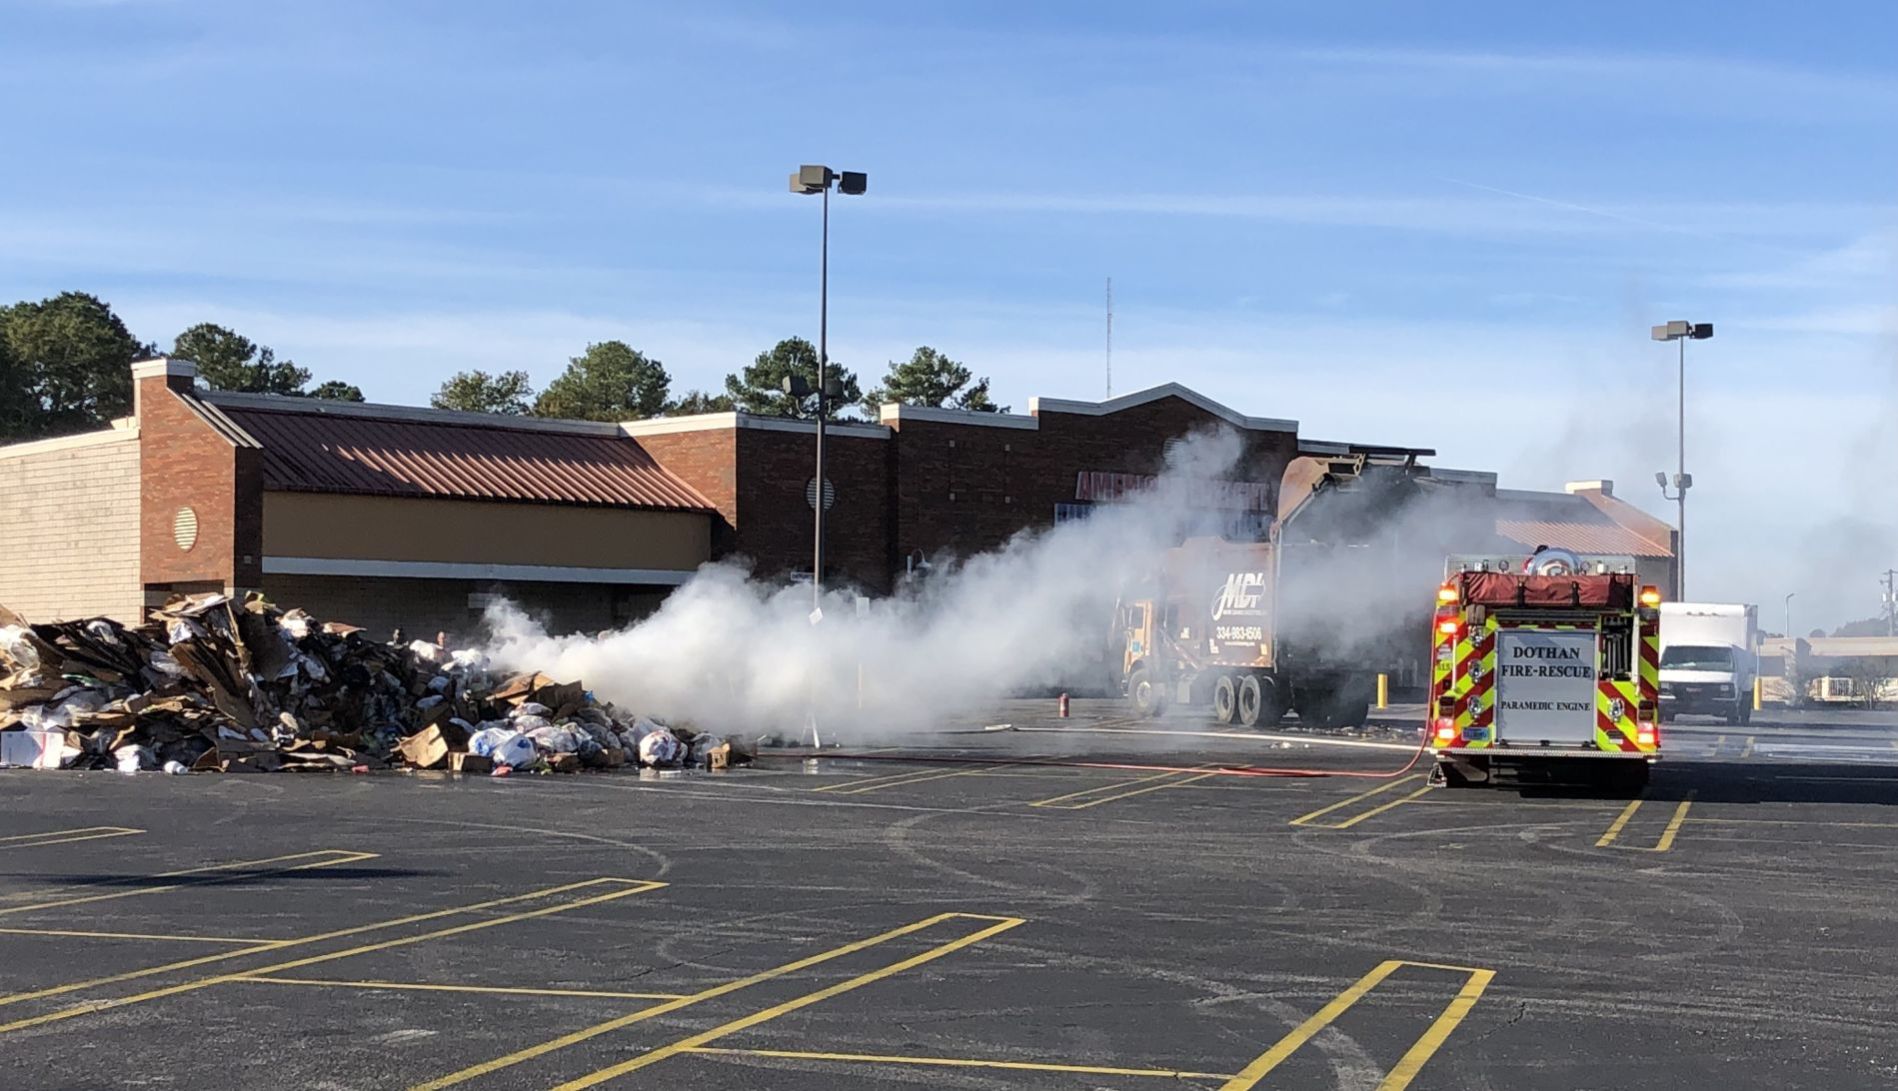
1130, 767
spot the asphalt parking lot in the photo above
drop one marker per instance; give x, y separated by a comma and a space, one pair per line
968, 916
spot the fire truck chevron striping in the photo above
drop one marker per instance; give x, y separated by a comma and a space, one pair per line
1544, 665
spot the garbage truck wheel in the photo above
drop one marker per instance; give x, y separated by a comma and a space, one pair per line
1144, 692
1251, 700
1225, 699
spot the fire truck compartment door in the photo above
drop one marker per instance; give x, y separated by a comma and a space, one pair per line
1545, 687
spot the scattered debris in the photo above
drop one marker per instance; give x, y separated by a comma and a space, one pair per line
212, 684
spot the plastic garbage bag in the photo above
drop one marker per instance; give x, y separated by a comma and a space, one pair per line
703, 743
554, 739
13, 645
515, 749
131, 758
660, 747
530, 708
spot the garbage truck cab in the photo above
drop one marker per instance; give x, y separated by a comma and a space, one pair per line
1544, 668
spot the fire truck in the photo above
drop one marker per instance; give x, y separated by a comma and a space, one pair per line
1216, 628
1545, 668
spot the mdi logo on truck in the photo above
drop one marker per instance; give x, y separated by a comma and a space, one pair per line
1548, 666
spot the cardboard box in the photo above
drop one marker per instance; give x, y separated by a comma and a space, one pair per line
33, 747
564, 763
426, 749
463, 762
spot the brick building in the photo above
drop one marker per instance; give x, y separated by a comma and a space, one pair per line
390, 515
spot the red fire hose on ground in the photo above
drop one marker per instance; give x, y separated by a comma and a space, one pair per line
1131, 767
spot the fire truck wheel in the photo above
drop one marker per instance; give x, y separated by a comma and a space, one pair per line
1251, 700
1225, 699
1145, 693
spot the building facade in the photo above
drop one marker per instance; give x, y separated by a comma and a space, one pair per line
391, 516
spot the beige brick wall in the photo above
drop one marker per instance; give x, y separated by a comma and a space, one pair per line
69, 529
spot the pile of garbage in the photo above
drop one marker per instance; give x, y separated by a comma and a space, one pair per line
216, 685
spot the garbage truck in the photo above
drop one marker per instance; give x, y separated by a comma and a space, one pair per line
1212, 628
1709, 659
1544, 668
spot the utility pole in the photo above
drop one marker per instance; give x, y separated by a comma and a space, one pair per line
1110, 337
1891, 601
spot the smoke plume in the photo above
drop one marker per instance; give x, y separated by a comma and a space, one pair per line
729, 652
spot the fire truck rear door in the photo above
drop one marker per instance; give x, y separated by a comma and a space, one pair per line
1545, 687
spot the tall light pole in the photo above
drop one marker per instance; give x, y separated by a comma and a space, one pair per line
1789, 614
810, 179
1682, 332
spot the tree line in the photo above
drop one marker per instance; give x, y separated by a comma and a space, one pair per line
612, 381
65, 366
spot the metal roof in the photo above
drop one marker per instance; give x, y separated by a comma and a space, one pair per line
1591, 538
454, 458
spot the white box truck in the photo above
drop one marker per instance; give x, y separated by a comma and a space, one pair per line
1709, 658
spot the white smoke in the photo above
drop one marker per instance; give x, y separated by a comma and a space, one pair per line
731, 653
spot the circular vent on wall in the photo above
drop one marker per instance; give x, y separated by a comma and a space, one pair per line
184, 528
810, 493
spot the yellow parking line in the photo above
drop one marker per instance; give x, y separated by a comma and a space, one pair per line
1141, 791
65, 837
476, 1071
858, 782
1307, 819
1747, 750
1083, 793
1674, 826
1620, 823
338, 856
640, 886
1413, 1059
417, 986
1375, 811
128, 935
860, 789
962, 1062
652, 1057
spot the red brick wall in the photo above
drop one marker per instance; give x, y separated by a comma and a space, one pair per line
774, 523
184, 462
707, 460
969, 487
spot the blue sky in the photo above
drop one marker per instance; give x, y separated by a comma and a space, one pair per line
1448, 225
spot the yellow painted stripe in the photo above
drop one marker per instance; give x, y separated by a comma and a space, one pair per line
756, 1018
337, 856
1620, 823
1674, 825
1747, 750
1056, 801
975, 772
273, 945
1413, 1059
417, 986
65, 837
475, 1071
1306, 819
1375, 811
1424, 1048
1141, 791
872, 783
962, 1062
1262, 1066
131, 935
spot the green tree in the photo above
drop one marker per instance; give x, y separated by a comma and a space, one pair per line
698, 401
336, 390
67, 366
508, 393
227, 360
610, 381
932, 379
760, 388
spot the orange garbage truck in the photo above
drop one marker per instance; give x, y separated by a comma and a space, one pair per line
1545, 668
1212, 629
